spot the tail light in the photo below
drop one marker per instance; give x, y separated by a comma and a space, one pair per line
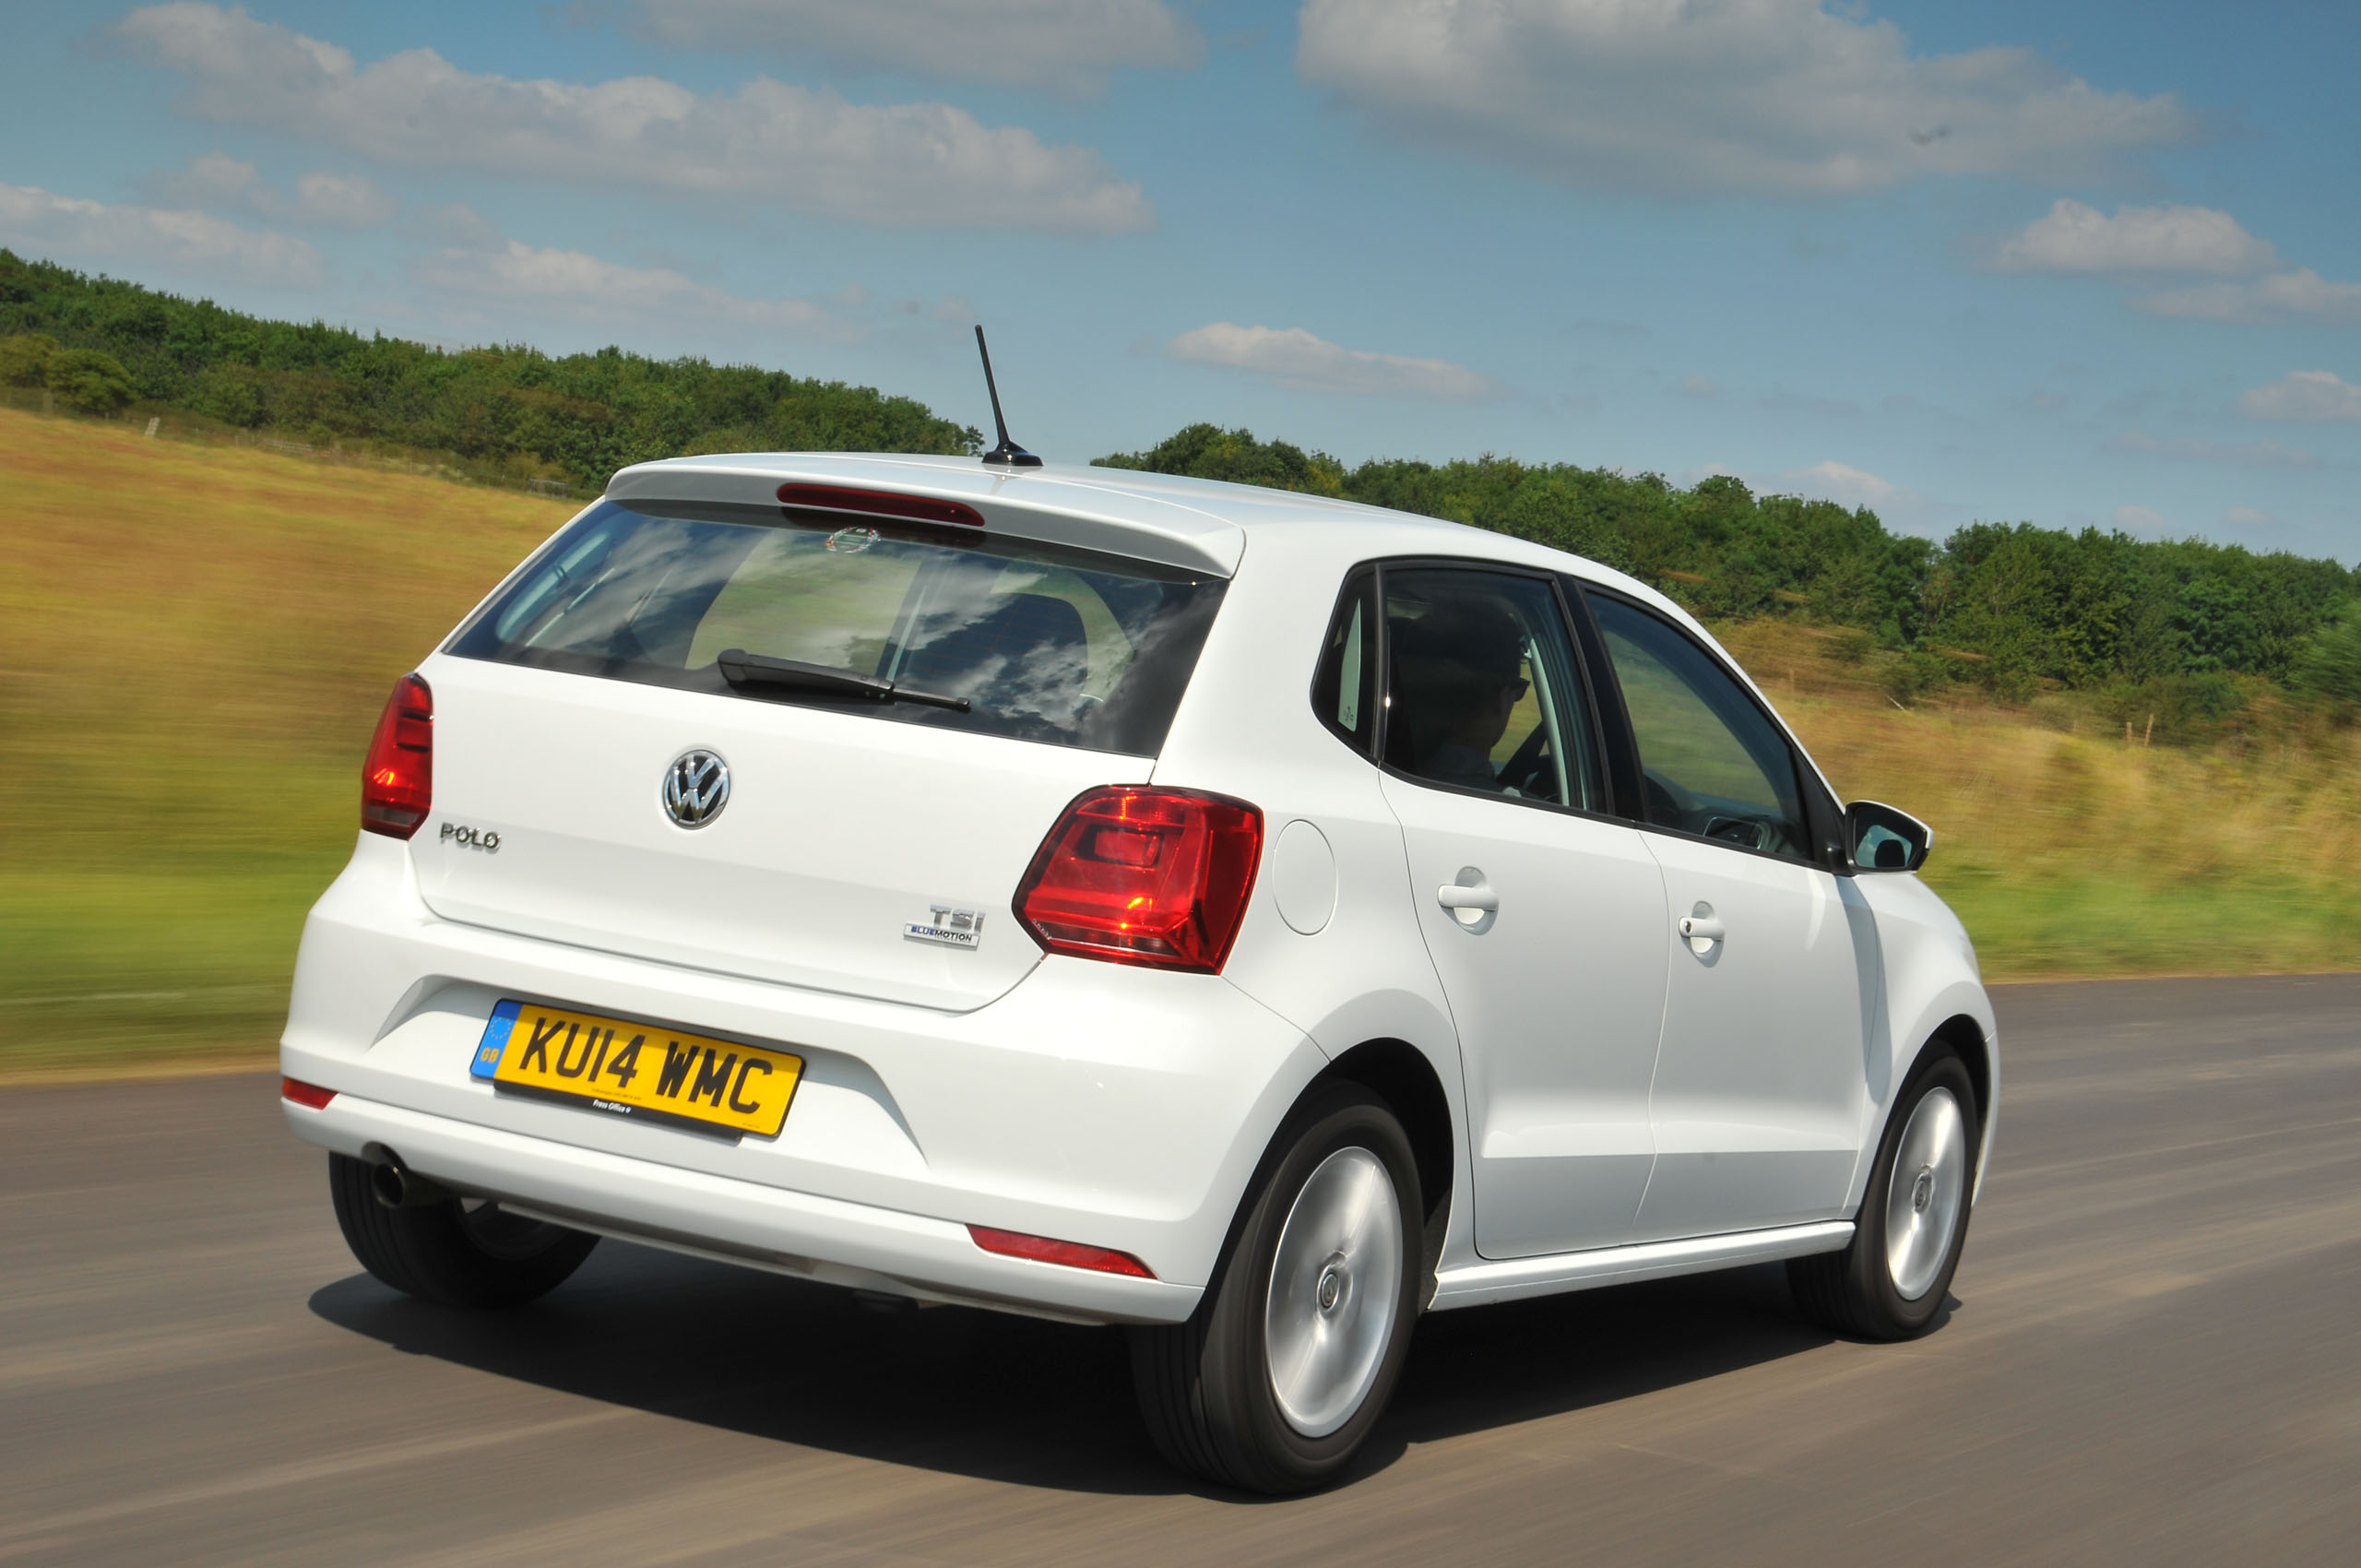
305, 1093
397, 781
1072, 1254
1158, 877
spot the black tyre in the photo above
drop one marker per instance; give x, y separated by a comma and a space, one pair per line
457, 1254
1890, 1281
1276, 1382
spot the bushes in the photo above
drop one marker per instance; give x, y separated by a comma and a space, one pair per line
88, 381
24, 359
2330, 664
85, 380
2180, 710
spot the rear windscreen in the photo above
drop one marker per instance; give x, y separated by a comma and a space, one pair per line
1045, 643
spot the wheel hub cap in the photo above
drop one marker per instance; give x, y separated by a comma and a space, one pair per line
1335, 1283
1926, 1195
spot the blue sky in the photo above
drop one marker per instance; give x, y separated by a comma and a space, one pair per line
2076, 262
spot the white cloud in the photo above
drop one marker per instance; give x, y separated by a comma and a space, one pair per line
212, 179
1065, 45
2304, 396
70, 230
2302, 295
2074, 238
2247, 517
216, 179
928, 164
347, 201
1295, 359
574, 284
1764, 98
2138, 519
1698, 386
2245, 455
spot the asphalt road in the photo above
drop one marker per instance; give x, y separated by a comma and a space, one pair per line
2153, 1356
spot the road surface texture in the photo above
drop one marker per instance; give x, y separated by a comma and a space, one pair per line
2154, 1355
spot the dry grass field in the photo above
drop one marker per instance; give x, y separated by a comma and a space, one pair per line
193, 645
2069, 851
194, 642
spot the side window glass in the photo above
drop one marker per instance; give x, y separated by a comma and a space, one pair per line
1483, 691
1710, 762
1343, 693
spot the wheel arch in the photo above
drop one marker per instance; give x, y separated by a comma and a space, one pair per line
1402, 1076
1966, 1037
1961, 1023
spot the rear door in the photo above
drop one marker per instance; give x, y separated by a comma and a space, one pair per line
1760, 1085
863, 846
1543, 915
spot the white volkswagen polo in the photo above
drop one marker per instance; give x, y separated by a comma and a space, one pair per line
1250, 918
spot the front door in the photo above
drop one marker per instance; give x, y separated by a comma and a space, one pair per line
1544, 915
1760, 1098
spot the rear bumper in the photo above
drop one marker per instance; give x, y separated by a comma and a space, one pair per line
787, 1232
1116, 1106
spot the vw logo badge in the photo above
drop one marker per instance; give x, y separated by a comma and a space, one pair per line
695, 788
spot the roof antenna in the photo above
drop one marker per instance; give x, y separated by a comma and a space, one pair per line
1008, 454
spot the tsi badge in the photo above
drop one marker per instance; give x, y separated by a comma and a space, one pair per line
952, 928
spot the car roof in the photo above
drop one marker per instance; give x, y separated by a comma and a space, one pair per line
1193, 523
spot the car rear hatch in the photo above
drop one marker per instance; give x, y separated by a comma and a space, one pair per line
815, 743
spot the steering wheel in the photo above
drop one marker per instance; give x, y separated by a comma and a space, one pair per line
1529, 765
1665, 806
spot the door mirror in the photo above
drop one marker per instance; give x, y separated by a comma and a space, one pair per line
1886, 839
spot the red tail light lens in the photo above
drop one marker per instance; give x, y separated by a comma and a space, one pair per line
1073, 1254
1144, 877
303, 1093
397, 781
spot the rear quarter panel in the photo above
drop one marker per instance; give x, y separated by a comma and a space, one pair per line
1246, 728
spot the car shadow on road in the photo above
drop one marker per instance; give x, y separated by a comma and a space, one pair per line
1036, 1403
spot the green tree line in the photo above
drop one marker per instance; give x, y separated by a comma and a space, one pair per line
100, 344
2181, 629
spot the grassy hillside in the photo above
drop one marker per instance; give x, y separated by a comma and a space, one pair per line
2071, 847
193, 645
194, 642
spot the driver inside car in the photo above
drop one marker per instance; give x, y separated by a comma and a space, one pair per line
1459, 665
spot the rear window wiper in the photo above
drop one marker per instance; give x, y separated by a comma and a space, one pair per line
742, 669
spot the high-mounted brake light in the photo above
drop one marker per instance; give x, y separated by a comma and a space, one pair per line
1073, 1254
397, 781
302, 1093
880, 504
1136, 875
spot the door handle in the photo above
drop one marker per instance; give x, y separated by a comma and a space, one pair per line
1470, 900
1703, 928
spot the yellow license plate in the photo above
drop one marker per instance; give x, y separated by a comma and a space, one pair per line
637, 1070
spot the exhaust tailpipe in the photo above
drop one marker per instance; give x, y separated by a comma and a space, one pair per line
394, 1185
